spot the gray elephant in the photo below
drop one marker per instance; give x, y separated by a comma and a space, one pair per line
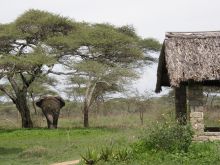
51, 106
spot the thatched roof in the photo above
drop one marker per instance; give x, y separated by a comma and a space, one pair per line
191, 56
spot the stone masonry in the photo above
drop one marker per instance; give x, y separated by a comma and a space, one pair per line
196, 110
197, 122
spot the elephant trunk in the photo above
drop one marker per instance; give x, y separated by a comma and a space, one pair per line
50, 121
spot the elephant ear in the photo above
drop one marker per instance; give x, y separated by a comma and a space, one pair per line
62, 102
39, 102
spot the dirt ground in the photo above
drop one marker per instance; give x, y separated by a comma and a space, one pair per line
67, 163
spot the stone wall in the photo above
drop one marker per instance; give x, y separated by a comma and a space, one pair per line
196, 111
197, 122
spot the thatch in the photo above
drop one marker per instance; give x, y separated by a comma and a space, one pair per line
193, 56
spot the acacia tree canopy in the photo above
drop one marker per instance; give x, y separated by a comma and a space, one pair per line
23, 52
106, 58
103, 42
102, 55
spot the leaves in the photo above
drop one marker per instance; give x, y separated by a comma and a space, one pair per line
100, 42
24, 52
150, 44
37, 24
26, 62
101, 55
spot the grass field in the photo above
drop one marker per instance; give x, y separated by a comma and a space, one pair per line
42, 146
120, 129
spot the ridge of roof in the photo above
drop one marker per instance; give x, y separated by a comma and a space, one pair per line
197, 34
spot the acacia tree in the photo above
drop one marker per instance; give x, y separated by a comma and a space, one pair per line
105, 57
96, 80
23, 53
39, 38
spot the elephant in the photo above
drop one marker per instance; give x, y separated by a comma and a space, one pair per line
51, 106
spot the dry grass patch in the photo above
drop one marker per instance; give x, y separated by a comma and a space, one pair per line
35, 151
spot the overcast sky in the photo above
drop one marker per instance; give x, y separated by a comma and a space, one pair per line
151, 18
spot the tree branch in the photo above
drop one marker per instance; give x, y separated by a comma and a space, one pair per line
68, 73
21, 49
60, 73
31, 80
27, 82
7, 93
24, 79
13, 84
105, 82
89, 93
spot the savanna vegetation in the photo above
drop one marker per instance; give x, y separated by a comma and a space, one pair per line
117, 135
104, 120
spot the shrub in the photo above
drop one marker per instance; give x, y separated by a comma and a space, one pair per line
91, 157
107, 155
122, 154
168, 136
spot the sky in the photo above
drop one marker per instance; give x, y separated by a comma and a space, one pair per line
150, 18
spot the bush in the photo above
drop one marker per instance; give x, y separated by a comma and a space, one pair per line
91, 157
107, 155
122, 154
169, 137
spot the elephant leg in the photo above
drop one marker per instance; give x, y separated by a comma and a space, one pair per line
55, 123
48, 124
55, 120
49, 121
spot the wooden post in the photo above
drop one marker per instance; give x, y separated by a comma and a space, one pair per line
180, 104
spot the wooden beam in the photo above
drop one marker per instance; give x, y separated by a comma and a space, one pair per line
180, 104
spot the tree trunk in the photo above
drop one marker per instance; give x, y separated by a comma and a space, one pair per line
86, 115
142, 117
21, 104
88, 102
33, 103
180, 104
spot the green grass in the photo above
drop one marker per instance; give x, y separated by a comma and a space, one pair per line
42, 146
206, 153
